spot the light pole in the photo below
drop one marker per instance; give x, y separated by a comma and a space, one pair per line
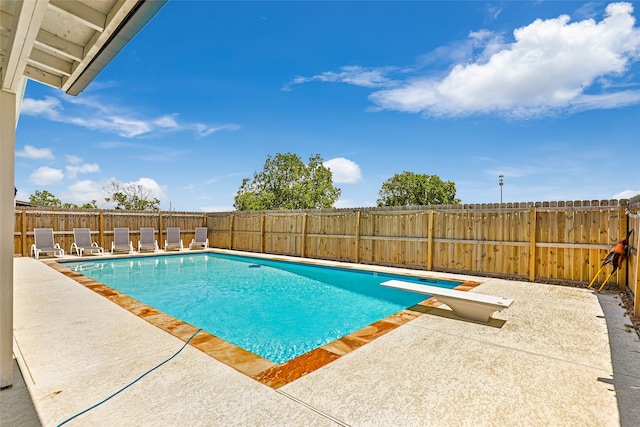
501, 182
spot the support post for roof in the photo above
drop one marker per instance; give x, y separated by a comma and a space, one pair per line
8, 120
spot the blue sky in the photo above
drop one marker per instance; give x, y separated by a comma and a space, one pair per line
545, 93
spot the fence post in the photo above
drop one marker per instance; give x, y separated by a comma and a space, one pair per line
304, 235
636, 299
23, 232
230, 231
430, 240
532, 243
623, 225
262, 242
357, 234
160, 225
101, 228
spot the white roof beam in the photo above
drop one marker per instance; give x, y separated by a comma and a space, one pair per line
4, 42
5, 23
59, 45
49, 62
27, 21
115, 18
80, 12
43, 76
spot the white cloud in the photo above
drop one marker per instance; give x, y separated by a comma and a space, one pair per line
22, 195
344, 170
74, 160
73, 171
355, 75
85, 191
549, 67
31, 152
626, 194
204, 130
122, 126
346, 203
48, 107
217, 209
168, 122
46, 176
157, 190
350, 203
546, 69
92, 113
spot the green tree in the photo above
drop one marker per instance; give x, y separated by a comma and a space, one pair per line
133, 197
91, 205
44, 198
286, 182
411, 189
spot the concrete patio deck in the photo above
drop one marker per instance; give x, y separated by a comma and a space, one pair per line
558, 356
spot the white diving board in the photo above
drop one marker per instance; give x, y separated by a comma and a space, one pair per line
471, 305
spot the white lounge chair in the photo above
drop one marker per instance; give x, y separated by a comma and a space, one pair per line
471, 305
121, 241
83, 243
43, 238
147, 240
201, 239
173, 240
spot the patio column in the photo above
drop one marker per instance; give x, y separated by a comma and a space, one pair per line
8, 120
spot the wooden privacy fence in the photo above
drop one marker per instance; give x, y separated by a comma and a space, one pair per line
544, 241
101, 223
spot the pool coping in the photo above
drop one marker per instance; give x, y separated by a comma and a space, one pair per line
256, 367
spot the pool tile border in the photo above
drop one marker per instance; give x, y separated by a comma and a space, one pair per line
262, 370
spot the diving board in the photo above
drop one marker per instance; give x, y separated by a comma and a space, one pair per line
471, 305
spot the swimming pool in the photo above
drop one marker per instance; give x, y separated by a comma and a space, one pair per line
275, 309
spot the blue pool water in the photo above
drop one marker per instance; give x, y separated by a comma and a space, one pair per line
275, 309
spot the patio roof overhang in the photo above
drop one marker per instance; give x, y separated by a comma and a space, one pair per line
60, 43
66, 43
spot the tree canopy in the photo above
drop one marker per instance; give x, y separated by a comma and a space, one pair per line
131, 197
411, 189
45, 198
286, 182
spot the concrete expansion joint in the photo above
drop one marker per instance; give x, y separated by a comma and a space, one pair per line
316, 410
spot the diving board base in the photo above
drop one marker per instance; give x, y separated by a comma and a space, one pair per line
469, 305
